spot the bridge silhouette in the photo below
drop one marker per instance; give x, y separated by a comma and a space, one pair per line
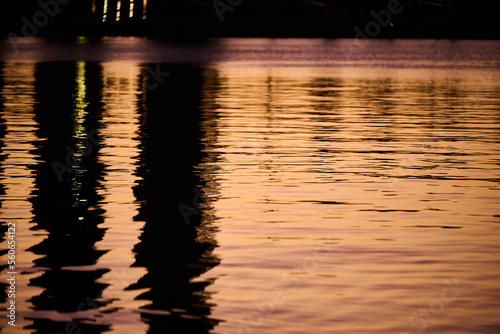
255, 18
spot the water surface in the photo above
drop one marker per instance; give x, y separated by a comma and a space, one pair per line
262, 186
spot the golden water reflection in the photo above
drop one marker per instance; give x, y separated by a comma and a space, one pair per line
18, 129
119, 131
330, 199
347, 197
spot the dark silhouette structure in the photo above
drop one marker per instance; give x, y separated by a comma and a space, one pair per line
69, 207
266, 18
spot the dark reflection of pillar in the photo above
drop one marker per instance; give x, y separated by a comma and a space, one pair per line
139, 10
68, 99
174, 250
125, 11
97, 10
111, 10
326, 97
381, 97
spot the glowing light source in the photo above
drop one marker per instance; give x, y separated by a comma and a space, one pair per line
105, 11
118, 8
144, 9
131, 11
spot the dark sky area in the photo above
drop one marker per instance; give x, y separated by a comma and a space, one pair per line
253, 18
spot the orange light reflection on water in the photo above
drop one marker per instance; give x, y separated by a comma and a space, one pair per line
342, 198
367, 165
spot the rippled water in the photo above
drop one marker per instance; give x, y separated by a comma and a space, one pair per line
261, 186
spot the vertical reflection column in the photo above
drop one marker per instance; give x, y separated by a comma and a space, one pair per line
66, 204
110, 12
17, 104
119, 127
175, 249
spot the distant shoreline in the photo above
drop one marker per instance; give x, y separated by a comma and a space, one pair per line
190, 19
188, 30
